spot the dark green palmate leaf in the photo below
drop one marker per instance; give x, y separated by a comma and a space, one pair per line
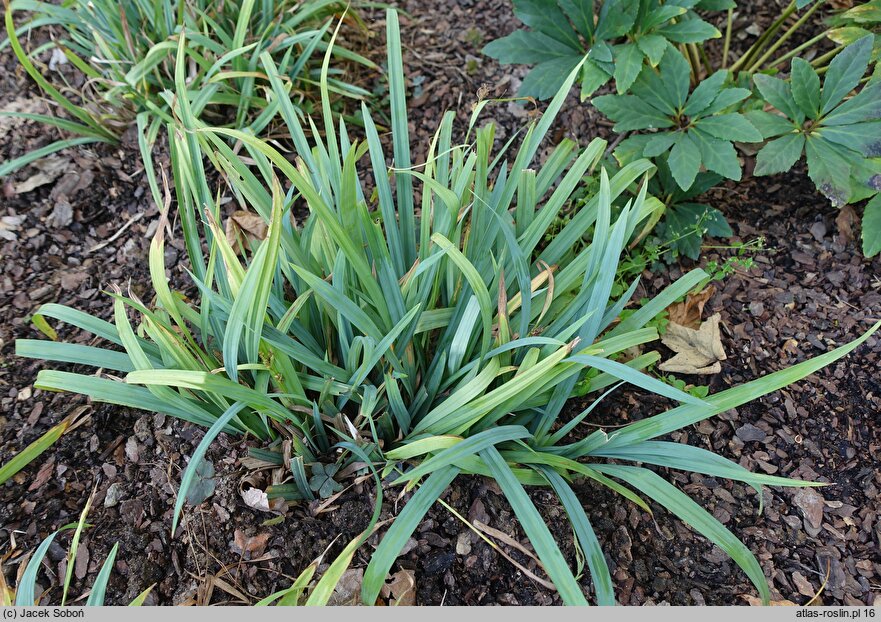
615, 39
835, 133
429, 347
695, 129
872, 227
684, 221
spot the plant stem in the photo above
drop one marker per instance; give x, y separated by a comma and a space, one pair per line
727, 45
762, 41
821, 70
822, 60
782, 39
798, 50
686, 52
708, 66
695, 55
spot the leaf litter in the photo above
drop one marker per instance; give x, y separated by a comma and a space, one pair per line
698, 352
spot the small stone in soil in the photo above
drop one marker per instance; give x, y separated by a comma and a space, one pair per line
748, 432
115, 493
811, 503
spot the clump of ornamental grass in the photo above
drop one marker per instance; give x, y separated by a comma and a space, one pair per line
126, 50
423, 329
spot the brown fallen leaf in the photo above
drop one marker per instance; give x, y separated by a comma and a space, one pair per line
845, 222
256, 498
43, 475
48, 170
804, 586
348, 590
401, 589
8, 226
249, 546
755, 601
250, 225
689, 313
697, 351
81, 564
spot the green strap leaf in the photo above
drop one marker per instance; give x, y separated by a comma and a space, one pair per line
596, 560
400, 137
189, 475
536, 529
24, 593
636, 378
73, 353
398, 534
694, 516
99, 589
687, 414
34, 450
697, 460
467, 447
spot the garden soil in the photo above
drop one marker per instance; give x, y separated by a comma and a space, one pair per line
80, 224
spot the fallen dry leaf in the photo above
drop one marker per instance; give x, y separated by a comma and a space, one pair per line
250, 546
81, 563
249, 224
755, 601
845, 221
697, 351
9, 225
256, 498
401, 589
21, 104
689, 313
43, 475
348, 590
48, 170
804, 586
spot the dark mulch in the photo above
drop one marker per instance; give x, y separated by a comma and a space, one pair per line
810, 290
